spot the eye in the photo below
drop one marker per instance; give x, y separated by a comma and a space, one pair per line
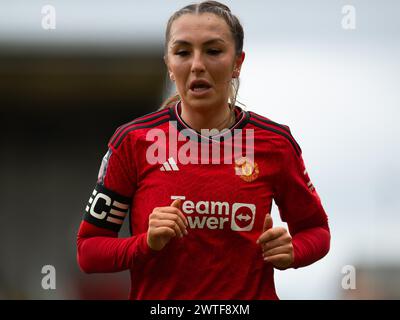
214, 52
182, 53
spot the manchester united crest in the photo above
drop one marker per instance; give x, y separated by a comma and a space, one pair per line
246, 169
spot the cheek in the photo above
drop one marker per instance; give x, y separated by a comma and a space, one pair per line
181, 72
178, 67
222, 70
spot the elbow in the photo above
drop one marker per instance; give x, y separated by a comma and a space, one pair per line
327, 241
83, 265
311, 245
324, 237
83, 259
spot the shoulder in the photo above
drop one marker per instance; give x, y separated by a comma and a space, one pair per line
149, 121
280, 131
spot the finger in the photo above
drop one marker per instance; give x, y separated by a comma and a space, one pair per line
268, 222
164, 231
182, 217
279, 250
173, 217
280, 261
271, 234
176, 203
174, 210
278, 242
167, 223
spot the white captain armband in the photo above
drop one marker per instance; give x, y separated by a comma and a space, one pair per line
106, 209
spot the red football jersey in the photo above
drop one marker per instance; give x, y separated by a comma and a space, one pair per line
227, 182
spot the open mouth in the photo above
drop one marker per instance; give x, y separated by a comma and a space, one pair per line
199, 86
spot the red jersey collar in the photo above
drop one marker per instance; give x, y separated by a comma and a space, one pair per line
241, 115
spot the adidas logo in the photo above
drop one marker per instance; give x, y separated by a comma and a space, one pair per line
169, 165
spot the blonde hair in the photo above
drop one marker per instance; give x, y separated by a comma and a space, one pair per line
236, 28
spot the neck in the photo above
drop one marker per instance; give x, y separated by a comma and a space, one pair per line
217, 118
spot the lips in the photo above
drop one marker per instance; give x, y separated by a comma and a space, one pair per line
199, 85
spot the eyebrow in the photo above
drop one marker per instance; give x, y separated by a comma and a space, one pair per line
184, 42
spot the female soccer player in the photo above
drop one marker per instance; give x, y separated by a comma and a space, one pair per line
197, 179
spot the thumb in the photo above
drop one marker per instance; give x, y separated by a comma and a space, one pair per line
176, 203
268, 223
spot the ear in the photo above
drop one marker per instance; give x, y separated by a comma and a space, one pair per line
171, 75
238, 64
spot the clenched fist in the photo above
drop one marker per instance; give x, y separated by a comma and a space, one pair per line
166, 223
276, 244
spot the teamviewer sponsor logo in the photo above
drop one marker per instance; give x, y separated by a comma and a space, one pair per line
218, 214
243, 215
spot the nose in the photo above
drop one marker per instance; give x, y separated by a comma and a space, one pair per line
197, 63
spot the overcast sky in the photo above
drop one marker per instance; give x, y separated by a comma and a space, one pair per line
123, 21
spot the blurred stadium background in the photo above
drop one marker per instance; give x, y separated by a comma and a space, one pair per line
64, 91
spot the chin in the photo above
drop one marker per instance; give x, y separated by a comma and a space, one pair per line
203, 103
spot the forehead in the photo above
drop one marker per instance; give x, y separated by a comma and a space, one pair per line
199, 27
